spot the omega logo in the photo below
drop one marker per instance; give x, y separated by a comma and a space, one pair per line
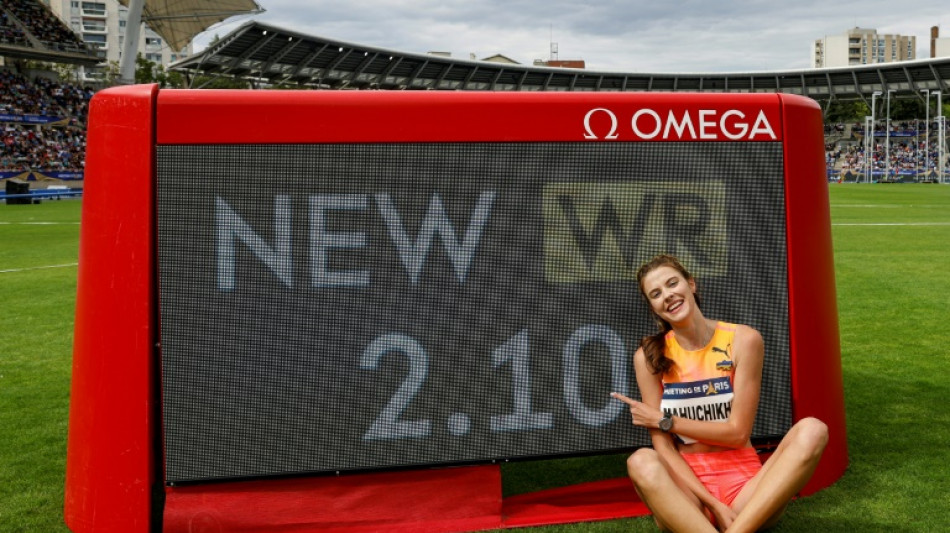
612, 134
691, 125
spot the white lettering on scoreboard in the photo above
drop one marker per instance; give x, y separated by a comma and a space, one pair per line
278, 257
689, 125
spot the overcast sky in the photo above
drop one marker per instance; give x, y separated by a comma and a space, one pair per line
609, 35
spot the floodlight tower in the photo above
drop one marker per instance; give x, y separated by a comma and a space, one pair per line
868, 144
941, 137
874, 96
887, 137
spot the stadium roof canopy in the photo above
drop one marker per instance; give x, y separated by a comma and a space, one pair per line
178, 21
269, 54
73, 55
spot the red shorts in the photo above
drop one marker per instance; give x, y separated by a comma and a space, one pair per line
725, 473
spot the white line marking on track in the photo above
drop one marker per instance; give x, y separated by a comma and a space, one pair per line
39, 223
37, 268
892, 224
884, 206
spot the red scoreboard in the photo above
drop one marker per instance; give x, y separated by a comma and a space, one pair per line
291, 303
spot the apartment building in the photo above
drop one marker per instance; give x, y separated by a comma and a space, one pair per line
103, 23
862, 46
939, 46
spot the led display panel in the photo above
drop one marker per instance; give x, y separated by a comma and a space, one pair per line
354, 306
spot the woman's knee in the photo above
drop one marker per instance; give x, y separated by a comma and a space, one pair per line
644, 465
811, 434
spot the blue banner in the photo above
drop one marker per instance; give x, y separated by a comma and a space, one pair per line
883, 134
40, 175
881, 173
907, 133
65, 175
19, 174
33, 119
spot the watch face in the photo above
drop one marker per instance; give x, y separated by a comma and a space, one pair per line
666, 423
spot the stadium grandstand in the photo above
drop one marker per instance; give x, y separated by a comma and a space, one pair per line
42, 120
910, 157
29, 30
267, 55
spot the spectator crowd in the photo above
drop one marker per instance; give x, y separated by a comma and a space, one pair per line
39, 21
907, 151
57, 146
60, 143
10, 33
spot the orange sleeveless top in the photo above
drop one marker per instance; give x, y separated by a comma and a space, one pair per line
699, 384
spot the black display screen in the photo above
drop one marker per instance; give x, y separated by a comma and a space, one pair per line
339, 307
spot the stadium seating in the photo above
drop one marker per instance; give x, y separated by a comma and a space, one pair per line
10, 33
42, 124
908, 155
37, 21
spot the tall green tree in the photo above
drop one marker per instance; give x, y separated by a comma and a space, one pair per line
846, 111
147, 71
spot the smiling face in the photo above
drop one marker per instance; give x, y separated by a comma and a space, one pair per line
670, 292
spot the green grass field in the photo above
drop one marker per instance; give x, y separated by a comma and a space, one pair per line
892, 258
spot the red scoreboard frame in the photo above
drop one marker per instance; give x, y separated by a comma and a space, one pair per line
114, 477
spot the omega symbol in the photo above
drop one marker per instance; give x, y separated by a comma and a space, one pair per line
612, 134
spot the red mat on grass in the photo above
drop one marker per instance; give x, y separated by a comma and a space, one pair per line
598, 500
454, 499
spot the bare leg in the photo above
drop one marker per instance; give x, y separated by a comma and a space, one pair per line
672, 508
765, 497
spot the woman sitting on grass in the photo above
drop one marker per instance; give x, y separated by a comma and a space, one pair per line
701, 474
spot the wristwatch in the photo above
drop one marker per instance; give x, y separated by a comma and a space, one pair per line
666, 423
